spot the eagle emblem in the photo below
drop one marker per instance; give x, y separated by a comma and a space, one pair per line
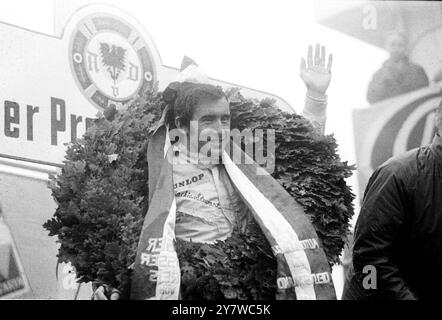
114, 59
110, 64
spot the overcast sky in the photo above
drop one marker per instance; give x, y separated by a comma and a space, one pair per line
253, 43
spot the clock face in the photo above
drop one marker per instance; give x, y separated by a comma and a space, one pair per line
110, 61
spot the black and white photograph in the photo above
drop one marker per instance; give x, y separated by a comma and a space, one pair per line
238, 152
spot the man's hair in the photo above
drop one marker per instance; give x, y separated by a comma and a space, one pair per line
187, 96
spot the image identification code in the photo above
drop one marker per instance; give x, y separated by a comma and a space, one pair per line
222, 309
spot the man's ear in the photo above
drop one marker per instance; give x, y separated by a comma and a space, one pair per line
181, 124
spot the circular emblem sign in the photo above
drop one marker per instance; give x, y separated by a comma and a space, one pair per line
110, 60
392, 128
411, 127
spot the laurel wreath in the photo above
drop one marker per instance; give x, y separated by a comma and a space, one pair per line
101, 196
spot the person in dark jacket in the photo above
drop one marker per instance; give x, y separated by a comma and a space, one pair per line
397, 250
397, 75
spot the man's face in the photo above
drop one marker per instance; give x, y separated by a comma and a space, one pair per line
396, 46
212, 118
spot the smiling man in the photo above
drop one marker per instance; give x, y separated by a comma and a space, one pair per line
205, 201
207, 206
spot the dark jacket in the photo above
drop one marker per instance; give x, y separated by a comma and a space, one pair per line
399, 229
394, 79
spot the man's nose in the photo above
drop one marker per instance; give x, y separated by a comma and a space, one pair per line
218, 126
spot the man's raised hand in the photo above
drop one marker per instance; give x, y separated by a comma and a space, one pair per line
316, 72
